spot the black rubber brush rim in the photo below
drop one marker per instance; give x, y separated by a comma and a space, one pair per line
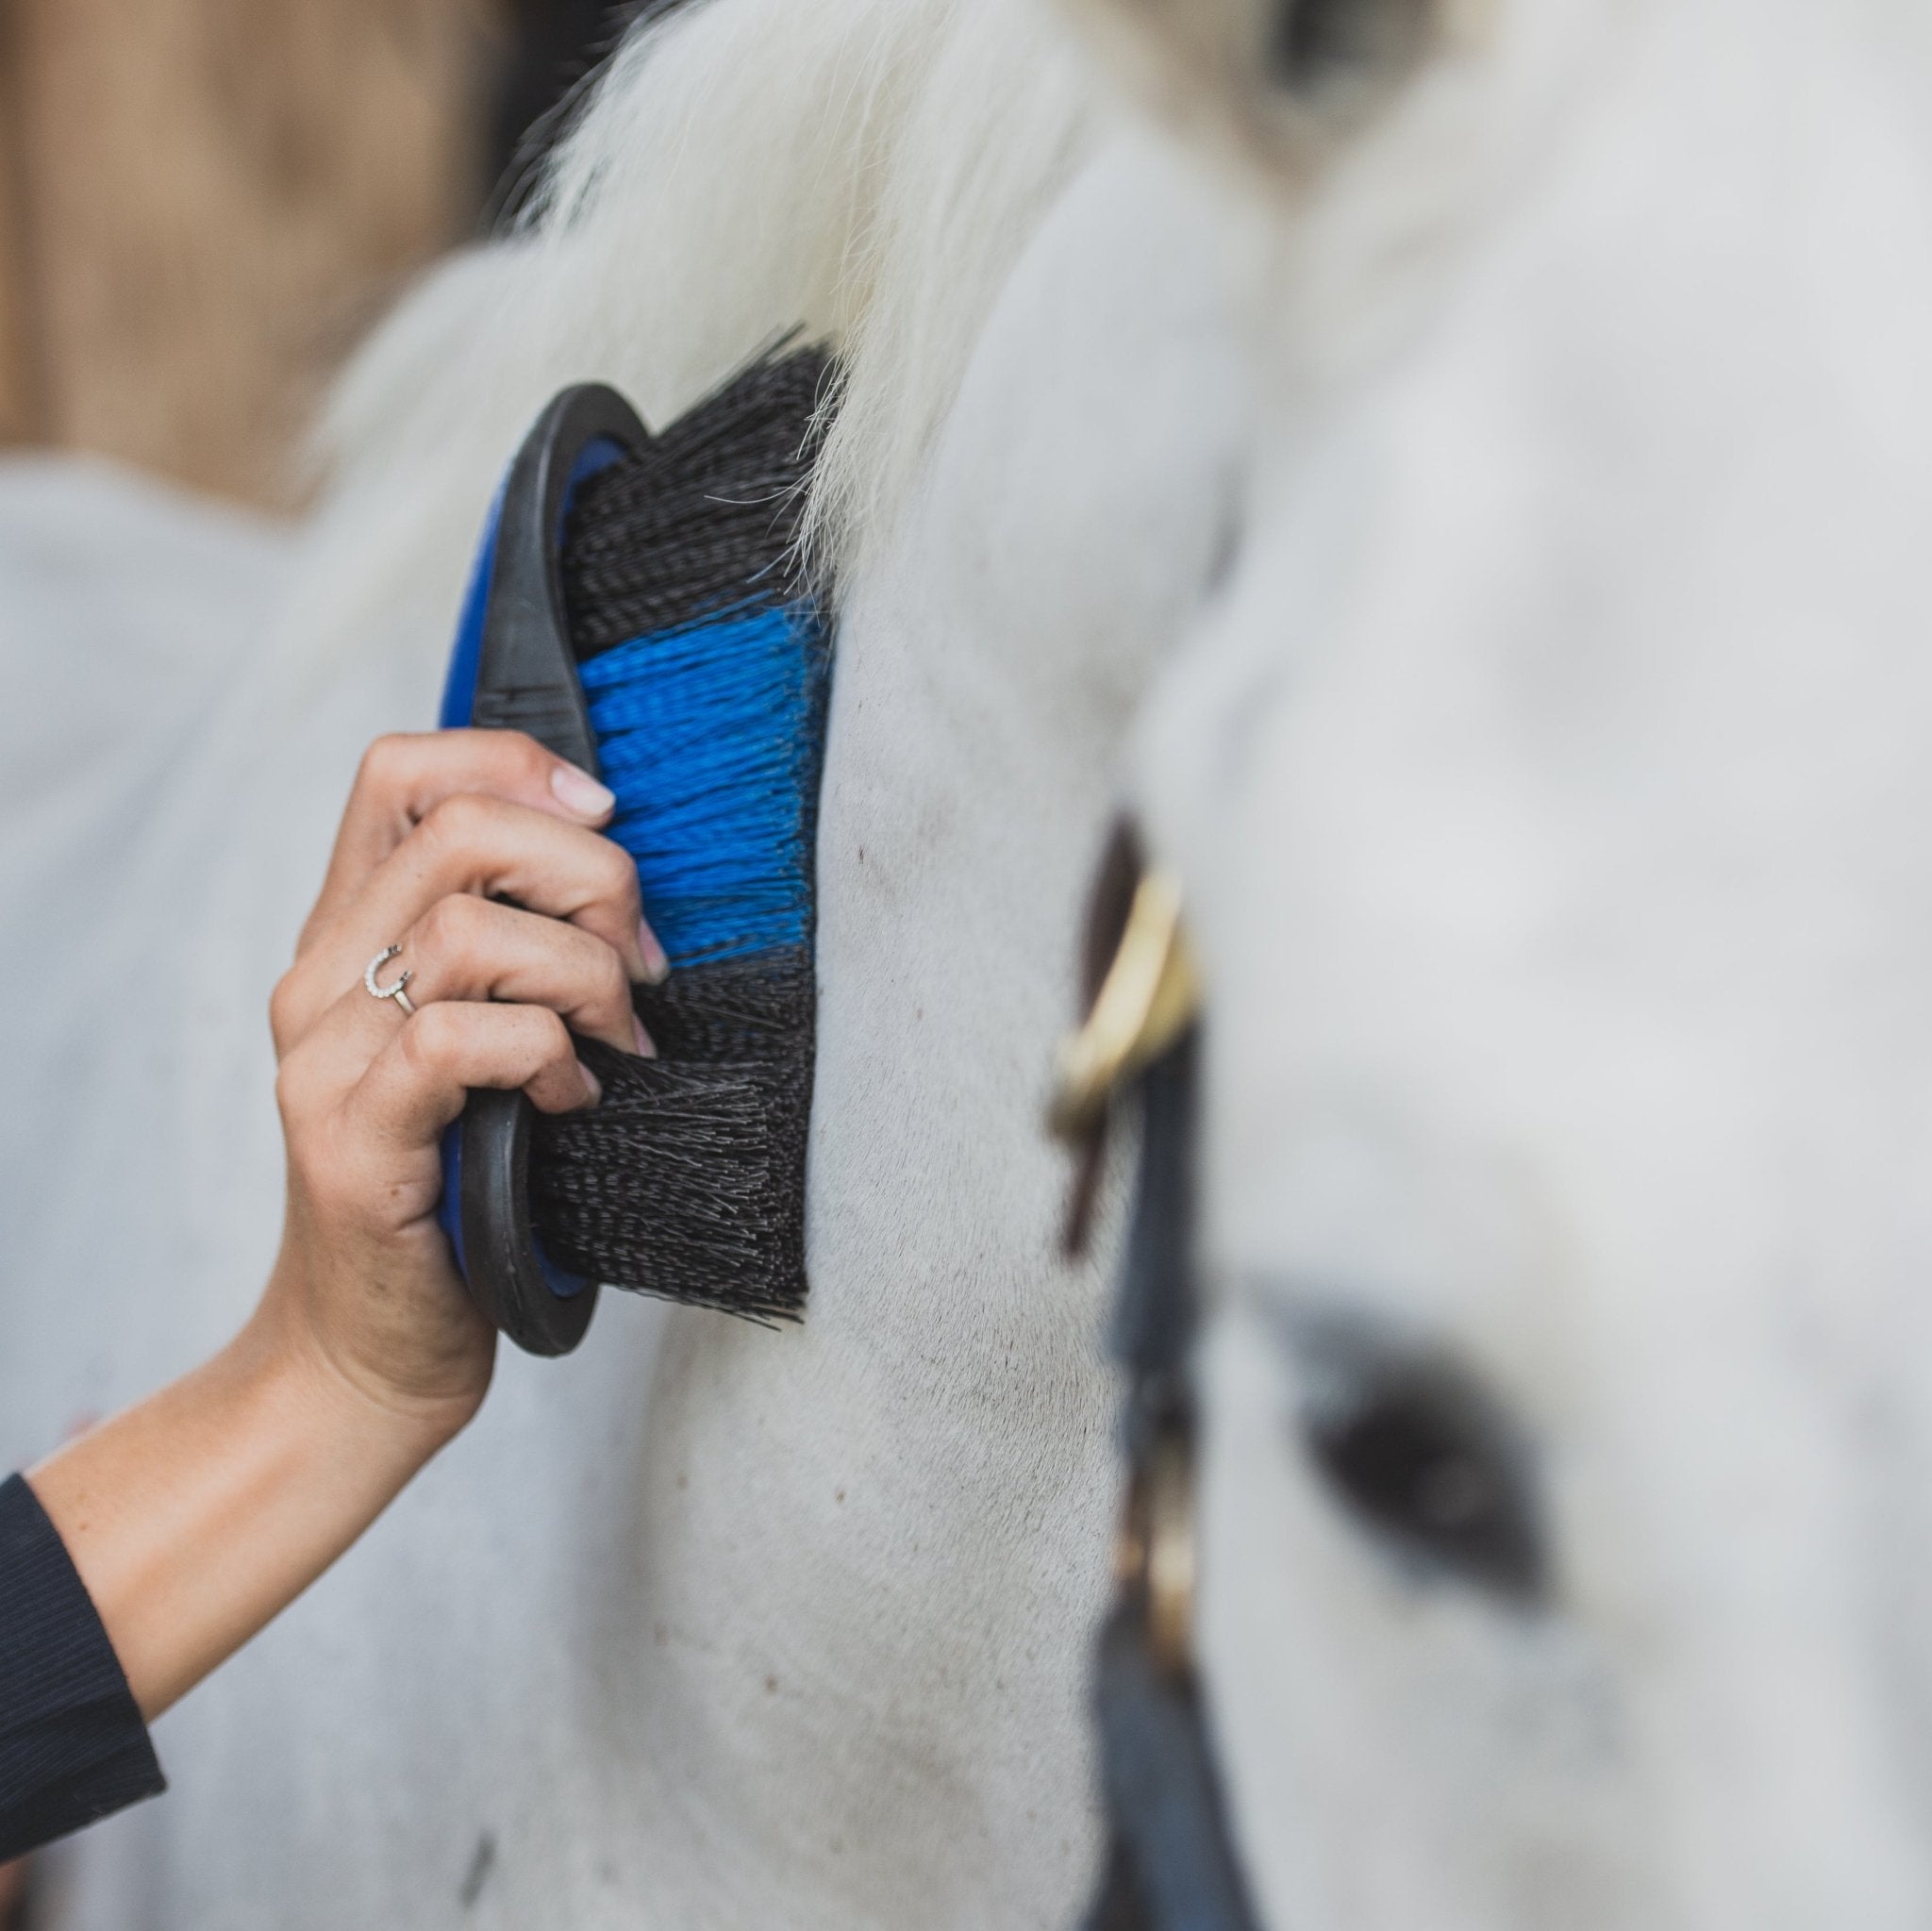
527, 681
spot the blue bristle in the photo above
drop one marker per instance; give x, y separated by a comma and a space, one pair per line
709, 735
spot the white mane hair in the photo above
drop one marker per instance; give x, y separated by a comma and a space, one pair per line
888, 159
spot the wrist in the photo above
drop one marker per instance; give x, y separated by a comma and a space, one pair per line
341, 1409
378, 1334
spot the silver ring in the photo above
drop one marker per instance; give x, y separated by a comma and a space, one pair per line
395, 991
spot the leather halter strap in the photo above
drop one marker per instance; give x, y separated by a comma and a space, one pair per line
1171, 1862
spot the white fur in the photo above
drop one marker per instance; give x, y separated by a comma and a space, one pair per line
131, 617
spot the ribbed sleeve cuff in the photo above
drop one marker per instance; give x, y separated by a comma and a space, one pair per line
73, 1746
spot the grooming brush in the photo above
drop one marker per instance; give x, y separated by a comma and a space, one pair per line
638, 607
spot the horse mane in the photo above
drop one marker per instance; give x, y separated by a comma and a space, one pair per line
868, 169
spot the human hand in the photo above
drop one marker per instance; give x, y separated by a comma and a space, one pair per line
439, 830
197, 1515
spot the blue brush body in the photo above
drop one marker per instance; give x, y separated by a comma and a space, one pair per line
636, 606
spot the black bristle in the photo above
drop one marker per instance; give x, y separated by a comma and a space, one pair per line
687, 1180
734, 1008
705, 516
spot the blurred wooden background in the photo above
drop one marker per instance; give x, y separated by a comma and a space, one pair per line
203, 202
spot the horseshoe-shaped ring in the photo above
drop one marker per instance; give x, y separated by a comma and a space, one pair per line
395, 991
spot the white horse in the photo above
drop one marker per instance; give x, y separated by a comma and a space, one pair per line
705, 1626
1549, 778
1517, 411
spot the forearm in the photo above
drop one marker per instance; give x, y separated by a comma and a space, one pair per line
194, 1518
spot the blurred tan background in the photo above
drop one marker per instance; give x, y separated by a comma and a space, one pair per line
204, 202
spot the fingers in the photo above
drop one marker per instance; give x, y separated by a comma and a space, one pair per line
363, 1130
405, 776
416, 1085
467, 948
482, 847
468, 953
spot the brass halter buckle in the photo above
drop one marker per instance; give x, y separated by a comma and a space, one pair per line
1149, 995
1154, 1559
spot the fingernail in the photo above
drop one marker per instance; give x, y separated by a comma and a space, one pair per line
656, 967
578, 791
646, 1049
593, 1085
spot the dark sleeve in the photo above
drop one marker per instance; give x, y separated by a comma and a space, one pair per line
73, 1746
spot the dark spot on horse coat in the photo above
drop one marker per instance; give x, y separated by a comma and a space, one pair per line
482, 1861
